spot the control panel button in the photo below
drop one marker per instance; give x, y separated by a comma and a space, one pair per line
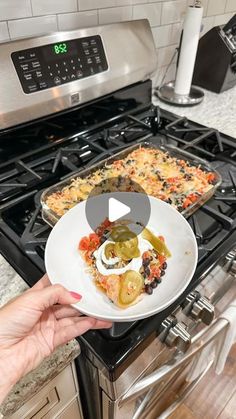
38, 74
42, 85
57, 80
97, 59
28, 76
35, 64
85, 44
32, 87
22, 57
32, 55
25, 66
79, 73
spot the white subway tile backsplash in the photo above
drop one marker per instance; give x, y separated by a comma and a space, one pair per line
77, 20
19, 18
222, 19
46, 7
162, 35
11, 9
164, 75
32, 26
114, 14
230, 6
150, 11
4, 35
176, 32
207, 24
216, 7
101, 4
165, 55
173, 11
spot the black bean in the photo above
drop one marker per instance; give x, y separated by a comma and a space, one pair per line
153, 284
158, 280
147, 271
148, 289
146, 262
162, 272
180, 208
164, 266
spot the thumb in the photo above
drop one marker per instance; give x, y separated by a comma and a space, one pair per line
53, 294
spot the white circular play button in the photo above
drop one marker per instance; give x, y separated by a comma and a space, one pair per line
118, 199
117, 210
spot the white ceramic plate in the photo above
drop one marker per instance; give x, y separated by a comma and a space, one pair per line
65, 266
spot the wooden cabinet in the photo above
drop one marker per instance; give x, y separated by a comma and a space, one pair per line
59, 399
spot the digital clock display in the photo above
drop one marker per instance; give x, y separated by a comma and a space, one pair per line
60, 48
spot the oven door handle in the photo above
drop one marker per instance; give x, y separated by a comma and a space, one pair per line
199, 342
187, 391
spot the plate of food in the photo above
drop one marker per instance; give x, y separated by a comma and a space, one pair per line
122, 275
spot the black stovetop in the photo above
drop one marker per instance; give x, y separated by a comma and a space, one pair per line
45, 152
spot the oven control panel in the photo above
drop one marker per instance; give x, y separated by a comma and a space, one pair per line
56, 64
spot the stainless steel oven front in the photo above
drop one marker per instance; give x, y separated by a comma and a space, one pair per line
156, 383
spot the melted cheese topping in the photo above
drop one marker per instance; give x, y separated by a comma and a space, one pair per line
159, 174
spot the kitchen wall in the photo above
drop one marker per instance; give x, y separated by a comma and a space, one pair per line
22, 18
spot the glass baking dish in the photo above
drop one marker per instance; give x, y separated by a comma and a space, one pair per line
51, 217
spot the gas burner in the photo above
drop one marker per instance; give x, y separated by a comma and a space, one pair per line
198, 140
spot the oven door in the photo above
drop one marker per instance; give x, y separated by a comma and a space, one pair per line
158, 393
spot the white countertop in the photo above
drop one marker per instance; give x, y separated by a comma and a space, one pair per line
215, 111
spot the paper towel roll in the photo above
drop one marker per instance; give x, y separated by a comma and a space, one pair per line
188, 52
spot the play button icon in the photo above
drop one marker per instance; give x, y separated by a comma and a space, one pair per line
119, 200
117, 210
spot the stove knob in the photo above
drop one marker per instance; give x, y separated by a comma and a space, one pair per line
174, 334
233, 268
199, 308
230, 263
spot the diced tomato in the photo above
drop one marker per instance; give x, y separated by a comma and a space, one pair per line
193, 197
84, 243
88, 257
154, 272
186, 203
161, 259
146, 255
162, 196
161, 238
94, 240
117, 163
106, 223
210, 177
173, 188
172, 179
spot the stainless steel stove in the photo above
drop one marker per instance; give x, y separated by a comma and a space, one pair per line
52, 127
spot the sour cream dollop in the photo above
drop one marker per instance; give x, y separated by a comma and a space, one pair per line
134, 265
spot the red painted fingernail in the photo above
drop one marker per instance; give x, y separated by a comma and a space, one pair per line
75, 295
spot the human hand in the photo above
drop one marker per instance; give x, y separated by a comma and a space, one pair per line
34, 324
